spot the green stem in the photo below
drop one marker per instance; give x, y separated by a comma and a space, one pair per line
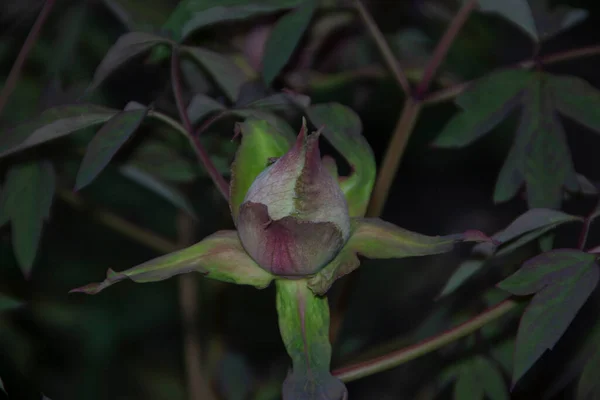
359, 370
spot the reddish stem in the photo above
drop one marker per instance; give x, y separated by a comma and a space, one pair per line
201, 152
15, 72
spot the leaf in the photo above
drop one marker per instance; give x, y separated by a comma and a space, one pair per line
284, 39
52, 124
261, 141
219, 256
221, 68
375, 238
105, 144
191, 15
304, 326
277, 102
465, 270
479, 378
576, 99
163, 162
535, 17
2, 386
343, 129
163, 190
8, 303
202, 105
588, 387
27, 197
126, 47
483, 106
562, 279
533, 220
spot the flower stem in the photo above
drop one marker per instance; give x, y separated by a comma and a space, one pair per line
383, 47
383, 363
15, 72
201, 152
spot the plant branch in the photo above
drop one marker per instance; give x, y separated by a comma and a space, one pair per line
119, 224
383, 47
362, 369
15, 72
439, 54
201, 152
453, 91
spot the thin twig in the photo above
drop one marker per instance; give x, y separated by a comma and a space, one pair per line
201, 152
362, 369
197, 384
384, 48
15, 72
439, 54
113, 221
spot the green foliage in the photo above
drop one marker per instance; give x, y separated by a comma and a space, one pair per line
477, 378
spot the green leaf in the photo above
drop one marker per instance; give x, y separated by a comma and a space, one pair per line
534, 220
27, 197
128, 46
191, 15
8, 303
343, 129
52, 124
465, 270
272, 119
202, 105
228, 76
479, 378
105, 144
284, 38
163, 162
277, 102
483, 106
163, 190
537, 18
562, 279
375, 238
304, 326
219, 256
588, 387
261, 141
576, 99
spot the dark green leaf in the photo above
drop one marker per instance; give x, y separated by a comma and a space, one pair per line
576, 99
105, 144
284, 38
278, 102
126, 47
191, 15
228, 76
343, 129
484, 105
158, 159
51, 124
588, 387
479, 378
304, 326
538, 18
219, 256
562, 279
272, 119
465, 270
27, 197
532, 220
8, 303
170, 194
202, 105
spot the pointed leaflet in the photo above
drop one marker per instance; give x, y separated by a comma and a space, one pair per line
375, 238
479, 378
562, 279
219, 256
284, 38
194, 14
260, 143
576, 99
202, 105
304, 327
158, 159
127, 46
540, 19
343, 129
105, 144
26, 199
483, 106
527, 227
51, 124
277, 102
228, 76
540, 155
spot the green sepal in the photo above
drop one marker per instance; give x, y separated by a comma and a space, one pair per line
304, 327
261, 142
219, 256
375, 238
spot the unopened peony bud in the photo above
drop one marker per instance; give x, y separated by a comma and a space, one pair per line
294, 218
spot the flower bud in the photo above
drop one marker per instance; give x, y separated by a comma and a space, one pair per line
294, 218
